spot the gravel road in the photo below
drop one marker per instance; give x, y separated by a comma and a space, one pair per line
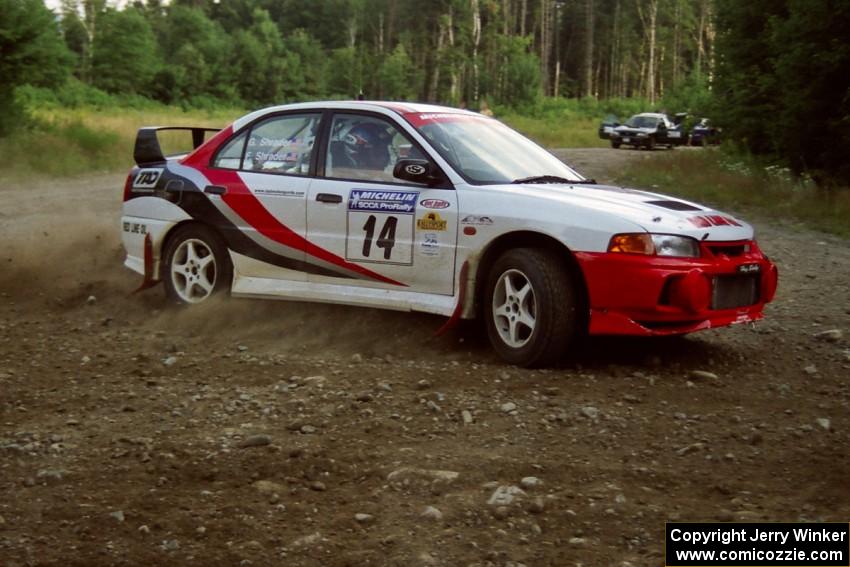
272, 433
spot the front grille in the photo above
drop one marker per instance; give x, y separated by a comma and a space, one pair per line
734, 291
727, 250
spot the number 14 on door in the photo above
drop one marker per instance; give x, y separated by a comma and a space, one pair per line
382, 238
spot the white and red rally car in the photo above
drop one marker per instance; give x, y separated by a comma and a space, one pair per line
425, 208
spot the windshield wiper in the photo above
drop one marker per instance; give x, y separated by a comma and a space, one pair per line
554, 179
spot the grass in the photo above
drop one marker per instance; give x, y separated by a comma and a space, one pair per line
720, 179
565, 132
68, 142
76, 141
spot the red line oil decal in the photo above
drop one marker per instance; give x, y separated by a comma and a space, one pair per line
245, 204
434, 204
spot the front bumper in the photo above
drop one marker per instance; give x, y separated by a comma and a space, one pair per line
631, 139
633, 294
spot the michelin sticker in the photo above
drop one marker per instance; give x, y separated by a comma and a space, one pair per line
380, 226
430, 245
393, 202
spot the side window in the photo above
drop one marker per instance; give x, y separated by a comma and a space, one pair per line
282, 144
367, 148
230, 157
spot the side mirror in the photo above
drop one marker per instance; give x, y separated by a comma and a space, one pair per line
417, 171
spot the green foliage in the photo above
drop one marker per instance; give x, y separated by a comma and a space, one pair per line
343, 73
395, 75
521, 79
731, 180
783, 78
124, 56
31, 51
692, 96
63, 141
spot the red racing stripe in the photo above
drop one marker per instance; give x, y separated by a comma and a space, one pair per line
246, 205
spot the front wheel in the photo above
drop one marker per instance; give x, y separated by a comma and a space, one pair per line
531, 307
196, 266
615, 145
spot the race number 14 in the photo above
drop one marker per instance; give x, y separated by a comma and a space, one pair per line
386, 238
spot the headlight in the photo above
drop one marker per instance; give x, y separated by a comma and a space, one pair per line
655, 245
669, 245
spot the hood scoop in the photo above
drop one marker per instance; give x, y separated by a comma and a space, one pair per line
674, 205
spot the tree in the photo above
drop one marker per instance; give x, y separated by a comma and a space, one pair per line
782, 82
31, 52
394, 75
125, 53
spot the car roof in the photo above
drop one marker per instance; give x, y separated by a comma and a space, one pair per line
652, 114
384, 107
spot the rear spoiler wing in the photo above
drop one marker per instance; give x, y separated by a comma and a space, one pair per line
148, 151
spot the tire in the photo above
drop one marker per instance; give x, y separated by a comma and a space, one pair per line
197, 265
615, 145
535, 319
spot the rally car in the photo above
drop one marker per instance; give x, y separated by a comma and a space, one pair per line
425, 208
607, 126
648, 130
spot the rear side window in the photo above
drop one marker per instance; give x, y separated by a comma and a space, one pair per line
282, 144
230, 157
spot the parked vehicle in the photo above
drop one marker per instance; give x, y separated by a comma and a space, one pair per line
425, 208
704, 134
648, 130
607, 126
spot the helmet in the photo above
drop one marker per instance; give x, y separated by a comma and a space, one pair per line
367, 144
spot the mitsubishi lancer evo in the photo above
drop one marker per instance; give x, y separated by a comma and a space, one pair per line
424, 208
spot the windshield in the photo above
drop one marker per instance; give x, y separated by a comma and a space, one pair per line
485, 151
642, 122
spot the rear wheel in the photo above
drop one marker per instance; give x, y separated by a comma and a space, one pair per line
196, 266
531, 307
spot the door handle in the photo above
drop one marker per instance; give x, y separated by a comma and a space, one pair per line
329, 198
215, 190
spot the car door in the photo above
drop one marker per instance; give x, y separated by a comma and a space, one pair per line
395, 234
262, 176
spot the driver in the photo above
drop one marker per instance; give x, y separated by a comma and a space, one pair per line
367, 145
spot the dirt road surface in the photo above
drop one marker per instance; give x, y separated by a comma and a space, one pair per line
273, 433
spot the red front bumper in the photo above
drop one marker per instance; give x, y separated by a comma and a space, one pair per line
632, 294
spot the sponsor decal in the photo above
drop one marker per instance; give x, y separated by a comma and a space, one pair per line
475, 219
430, 245
135, 228
147, 178
397, 202
277, 142
749, 269
279, 192
435, 204
712, 220
414, 169
431, 221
